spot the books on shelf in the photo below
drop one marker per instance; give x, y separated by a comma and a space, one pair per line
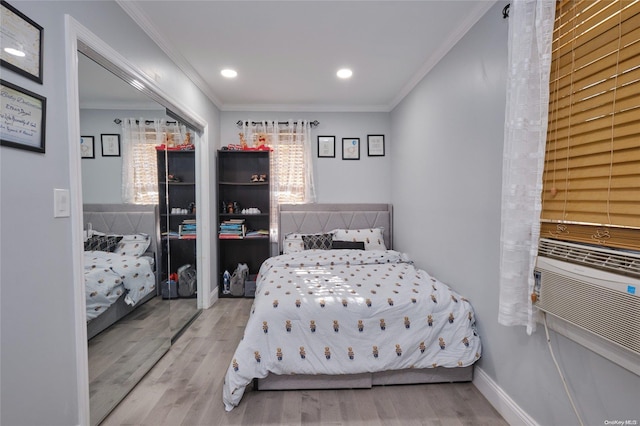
232, 229
260, 233
187, 229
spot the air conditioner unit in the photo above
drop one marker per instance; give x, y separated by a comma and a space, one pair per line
593, 297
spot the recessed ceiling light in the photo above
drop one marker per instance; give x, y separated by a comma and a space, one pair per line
229, 73
344, 73
14, 52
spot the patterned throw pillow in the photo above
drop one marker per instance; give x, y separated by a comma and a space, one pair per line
133, 245
317, 241
106, 243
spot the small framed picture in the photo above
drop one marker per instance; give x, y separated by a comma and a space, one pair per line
326, 146
87, 147
375, 145
110, 145
350, 148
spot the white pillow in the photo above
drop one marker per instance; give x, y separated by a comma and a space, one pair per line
292, 243
133, 245
372, 237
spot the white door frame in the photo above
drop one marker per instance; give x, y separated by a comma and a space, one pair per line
75, 34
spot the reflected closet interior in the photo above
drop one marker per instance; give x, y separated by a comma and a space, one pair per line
124, 351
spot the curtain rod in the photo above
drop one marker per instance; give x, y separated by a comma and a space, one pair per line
239, 123
118, 121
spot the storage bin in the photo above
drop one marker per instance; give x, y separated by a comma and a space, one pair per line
250, 286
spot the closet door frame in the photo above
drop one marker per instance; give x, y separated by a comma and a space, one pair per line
79, 37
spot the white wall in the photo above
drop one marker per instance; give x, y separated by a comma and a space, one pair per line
37, 337
102, 176
446, 168
366, 180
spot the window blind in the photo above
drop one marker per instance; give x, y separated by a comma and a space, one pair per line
591, 181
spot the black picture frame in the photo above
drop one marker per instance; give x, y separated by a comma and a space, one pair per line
24, 116
20, 32
110, 144
87, 147
350, 148
326, 147
375, 145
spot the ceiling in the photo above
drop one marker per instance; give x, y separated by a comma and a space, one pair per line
287, 53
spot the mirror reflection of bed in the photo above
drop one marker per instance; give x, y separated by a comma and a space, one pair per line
129, 324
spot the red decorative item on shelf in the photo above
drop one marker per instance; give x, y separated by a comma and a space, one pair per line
183, 147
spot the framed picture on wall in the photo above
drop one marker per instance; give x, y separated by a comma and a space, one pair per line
110, 145
87, 147
375, 145
326, 146
24, 116
20, 43
350, 148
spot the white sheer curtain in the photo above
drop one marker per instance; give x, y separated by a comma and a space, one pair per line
139, 159
291, 177
530, 38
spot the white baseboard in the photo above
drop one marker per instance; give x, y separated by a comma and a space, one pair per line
507, 407
213, 297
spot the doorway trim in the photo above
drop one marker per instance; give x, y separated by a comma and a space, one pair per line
77, 36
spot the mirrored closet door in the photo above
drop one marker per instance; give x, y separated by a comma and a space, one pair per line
133, 320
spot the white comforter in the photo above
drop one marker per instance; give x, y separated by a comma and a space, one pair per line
108, 275
349, 311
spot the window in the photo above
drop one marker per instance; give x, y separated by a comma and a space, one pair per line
139, 162
291, 164
591, 181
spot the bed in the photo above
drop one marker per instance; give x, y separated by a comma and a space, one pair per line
121, 248
350, 312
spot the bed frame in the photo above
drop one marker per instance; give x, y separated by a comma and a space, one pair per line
123, 219
318, 218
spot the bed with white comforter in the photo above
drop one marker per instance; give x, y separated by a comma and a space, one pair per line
349, 311
109, 276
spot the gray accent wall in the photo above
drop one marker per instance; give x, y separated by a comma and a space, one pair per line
367, 180
102, 176
38, 368
446, 191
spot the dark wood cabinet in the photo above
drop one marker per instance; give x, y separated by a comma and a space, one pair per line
243, 182
177, 206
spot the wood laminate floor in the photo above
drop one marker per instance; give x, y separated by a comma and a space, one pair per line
185, 388
122, 354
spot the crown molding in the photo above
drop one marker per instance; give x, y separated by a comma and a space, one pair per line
127, 106
140, 18
304, 108
480, 9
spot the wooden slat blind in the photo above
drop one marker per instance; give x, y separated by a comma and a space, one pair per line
591, 182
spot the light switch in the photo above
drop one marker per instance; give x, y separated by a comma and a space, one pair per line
61, 204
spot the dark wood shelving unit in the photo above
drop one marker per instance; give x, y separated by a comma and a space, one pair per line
235, 169
176, 251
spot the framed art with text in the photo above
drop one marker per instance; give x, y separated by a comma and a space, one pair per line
326, 146
375, 145
20, 43
22, 118
110, 145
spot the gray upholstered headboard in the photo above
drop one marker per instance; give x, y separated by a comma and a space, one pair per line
124, 219
317, 218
